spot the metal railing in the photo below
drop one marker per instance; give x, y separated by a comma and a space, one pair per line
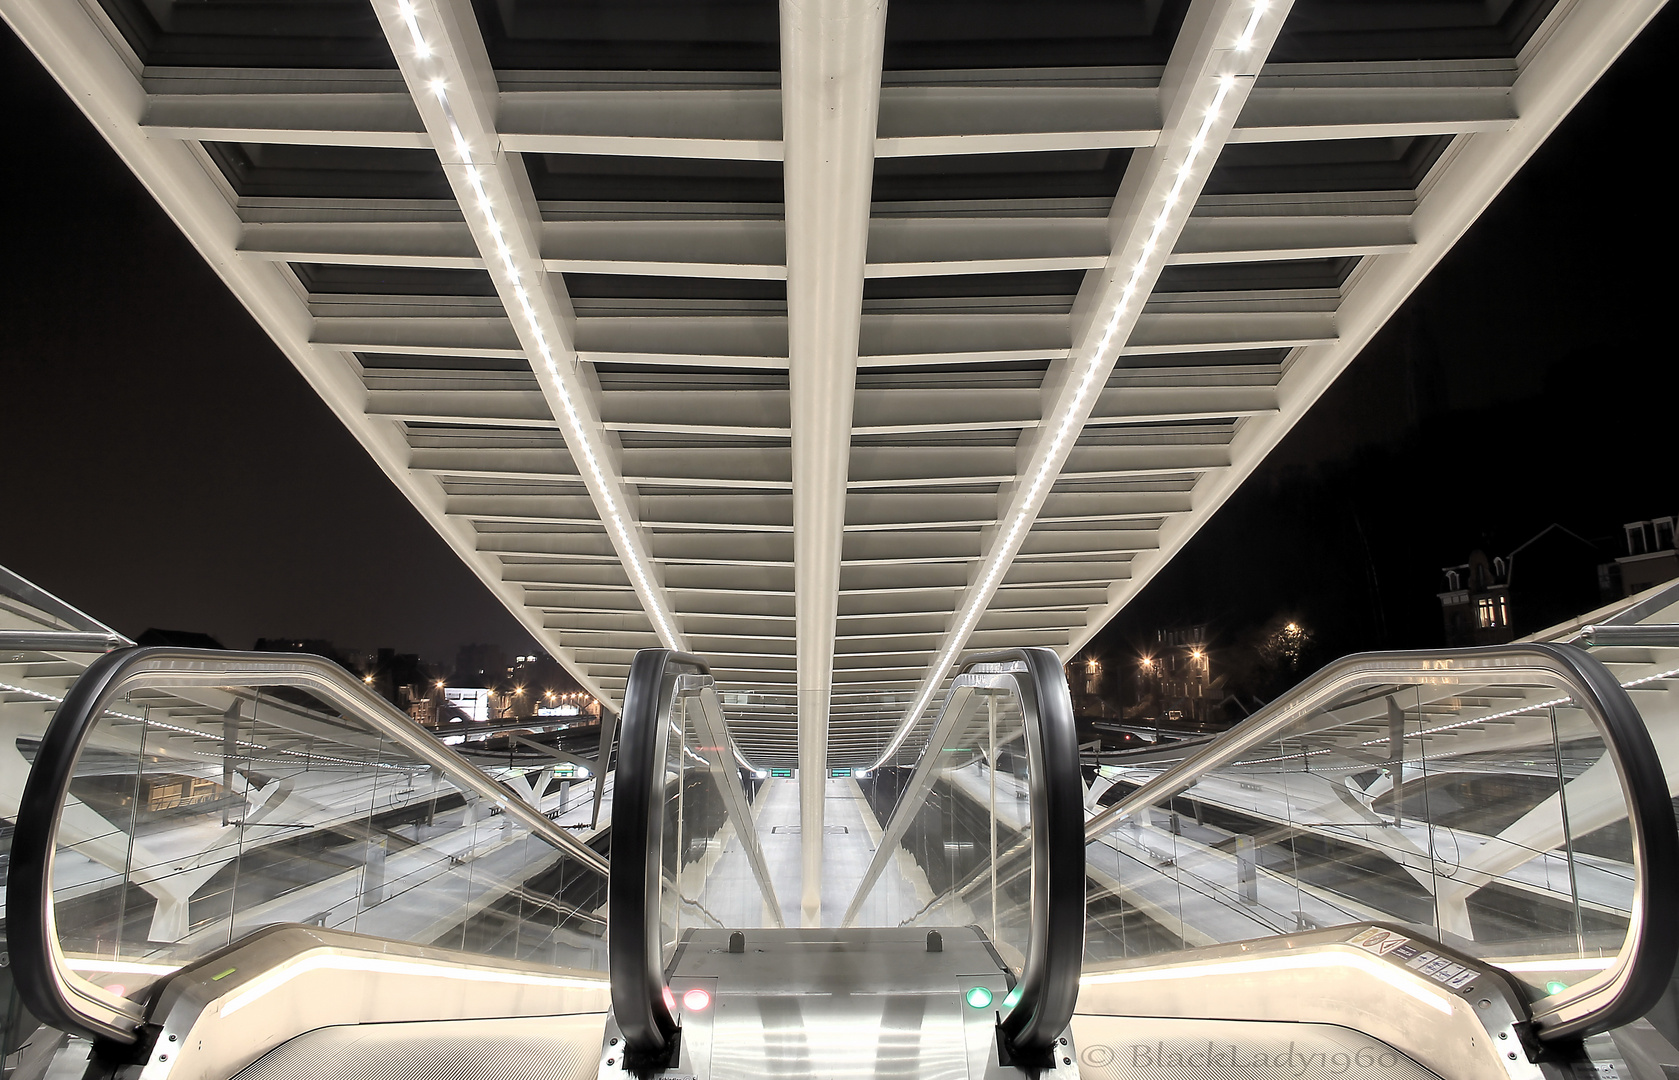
674, 748
1048, 864
1349, 711
62, 996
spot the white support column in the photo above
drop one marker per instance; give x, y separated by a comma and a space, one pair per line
1219, 51
830, 90
443, 61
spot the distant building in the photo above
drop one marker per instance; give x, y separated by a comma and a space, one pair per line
180, 639
480, 665
1180, 672
1475, 603
1492, 599
312, 646
1650, 559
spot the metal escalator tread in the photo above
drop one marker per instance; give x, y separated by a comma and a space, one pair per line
519, 1048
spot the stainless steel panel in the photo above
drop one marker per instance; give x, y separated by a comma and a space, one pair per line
523, 1048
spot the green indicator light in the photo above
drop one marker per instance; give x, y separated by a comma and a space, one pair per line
223, 975
1013, 999
1554, 987
979, 997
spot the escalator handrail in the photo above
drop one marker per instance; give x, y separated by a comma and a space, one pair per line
1049, 982
48, 988
632, 896
1645, 965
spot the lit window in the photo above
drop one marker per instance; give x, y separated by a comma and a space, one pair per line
1493, 611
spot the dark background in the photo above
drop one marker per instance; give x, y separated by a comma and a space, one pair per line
1529, 380
161, 464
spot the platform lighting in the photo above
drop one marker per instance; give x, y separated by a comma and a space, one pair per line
1064, 431
576, 436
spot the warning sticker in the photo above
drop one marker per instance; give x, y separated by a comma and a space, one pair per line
1380, 942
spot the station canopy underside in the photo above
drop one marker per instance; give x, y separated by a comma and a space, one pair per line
996, 302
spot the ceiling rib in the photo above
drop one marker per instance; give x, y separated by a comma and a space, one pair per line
1219, 51
79, 54
1317, 102
1564, 59
448, 74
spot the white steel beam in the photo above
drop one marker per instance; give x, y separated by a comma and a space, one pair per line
77, 52
1568, 54
1219, 51
1295, 102
754, 249
831, 55
448, 74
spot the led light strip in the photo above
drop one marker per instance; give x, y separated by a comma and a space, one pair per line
577, 437
1100, 359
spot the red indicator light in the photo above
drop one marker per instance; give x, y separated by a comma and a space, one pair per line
696, 1000
670, 999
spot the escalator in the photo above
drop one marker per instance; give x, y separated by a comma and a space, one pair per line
243, 864
1446, 865
1452, 863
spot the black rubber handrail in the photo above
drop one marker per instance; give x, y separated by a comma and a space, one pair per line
47, 988
1652, 932
1049, 982
638, 825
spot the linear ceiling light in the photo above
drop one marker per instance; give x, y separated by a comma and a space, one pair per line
506, 266
1169, 212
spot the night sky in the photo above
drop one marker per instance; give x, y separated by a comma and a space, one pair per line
161, 464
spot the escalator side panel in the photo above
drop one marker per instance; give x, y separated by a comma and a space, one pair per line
535, 1048
219, 1016
1452, 1015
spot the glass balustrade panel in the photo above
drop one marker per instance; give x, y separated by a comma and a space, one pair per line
199, 814
1479, 808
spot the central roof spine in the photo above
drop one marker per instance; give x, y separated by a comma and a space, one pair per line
831, 55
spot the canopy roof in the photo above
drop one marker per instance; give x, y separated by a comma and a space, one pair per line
831, 340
